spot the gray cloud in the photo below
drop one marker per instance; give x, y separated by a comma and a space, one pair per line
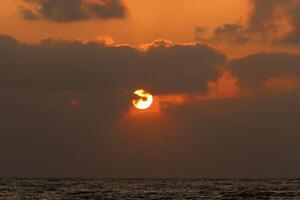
246, 137
264, 24
42, 134
265, 13
54, 65
181, 68
46, 134
294, 36
254, 70
231, 33
73, 10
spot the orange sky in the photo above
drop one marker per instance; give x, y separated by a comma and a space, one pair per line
147, 20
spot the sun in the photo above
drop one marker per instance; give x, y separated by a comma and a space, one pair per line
144, 101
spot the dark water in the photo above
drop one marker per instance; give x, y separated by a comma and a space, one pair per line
148, 189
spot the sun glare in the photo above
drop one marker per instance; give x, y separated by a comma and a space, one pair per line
144, 101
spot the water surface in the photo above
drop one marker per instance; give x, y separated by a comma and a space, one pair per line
149, 189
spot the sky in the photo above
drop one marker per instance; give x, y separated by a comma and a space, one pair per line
224, 75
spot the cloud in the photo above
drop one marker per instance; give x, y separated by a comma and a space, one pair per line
275, 16
63, 100
28, 14
199, 32
230, 33
59, 65
294, 36
243, 137
256, 70
270, 21
181, 69
73, 10
64, 112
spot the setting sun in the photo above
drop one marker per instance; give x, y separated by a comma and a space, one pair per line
144, 101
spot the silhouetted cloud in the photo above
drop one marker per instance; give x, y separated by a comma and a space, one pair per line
253, 71
73, 10
231, 33
241, 137
63, 113
28, 14
59, 65
271, 21
40, 83
267, 15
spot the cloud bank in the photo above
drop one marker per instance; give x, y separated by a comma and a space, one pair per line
73, 10
256, 70
64, 108
62, 65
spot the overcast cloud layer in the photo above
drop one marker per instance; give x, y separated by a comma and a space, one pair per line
63, 104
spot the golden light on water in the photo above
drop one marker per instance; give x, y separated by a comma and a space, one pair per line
144, 101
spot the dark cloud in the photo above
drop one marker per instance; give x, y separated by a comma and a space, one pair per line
73, 10
231, 33
294, 36
58, 65
254, 70
267, 14
44, 134
271, 21
179, 66
28, 14
245, 137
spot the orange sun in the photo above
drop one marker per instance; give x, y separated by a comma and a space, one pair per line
145, 99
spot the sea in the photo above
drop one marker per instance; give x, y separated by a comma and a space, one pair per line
73, 189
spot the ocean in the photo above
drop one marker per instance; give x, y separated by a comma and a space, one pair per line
75, 189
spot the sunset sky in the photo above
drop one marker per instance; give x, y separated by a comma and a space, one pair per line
224, 77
